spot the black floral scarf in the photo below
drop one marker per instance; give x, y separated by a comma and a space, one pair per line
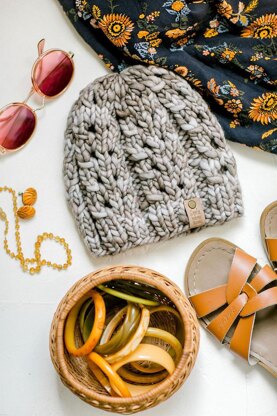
226, 49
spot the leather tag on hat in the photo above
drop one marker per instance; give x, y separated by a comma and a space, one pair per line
195, 212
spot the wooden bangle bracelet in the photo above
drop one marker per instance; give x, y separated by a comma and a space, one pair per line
116, 342
113, 377
166, 337
97, 329
141, 378
129, 298
135, 390
134, 341
103, 380
148, 352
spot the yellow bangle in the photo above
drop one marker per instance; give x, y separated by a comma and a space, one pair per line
134, 340
148, 352
179, 335
142, 378
135, 390
103, 380
113, 377
169, 339
97, 329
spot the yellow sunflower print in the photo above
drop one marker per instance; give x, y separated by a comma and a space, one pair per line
182, 70
210, 33
117, 28
177, 6
175, 33
233, 106
264, 109
265, 27
228, 54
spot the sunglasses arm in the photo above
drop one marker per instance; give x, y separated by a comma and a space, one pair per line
41, 45
32, 91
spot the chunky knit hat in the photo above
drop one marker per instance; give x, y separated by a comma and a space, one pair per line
146, 160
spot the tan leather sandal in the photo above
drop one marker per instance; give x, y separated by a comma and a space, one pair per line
268, 227
235, 299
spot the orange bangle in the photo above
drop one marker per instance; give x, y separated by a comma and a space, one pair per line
97, 329
115, 380
148, 352
135, 390
135, 339
103, 380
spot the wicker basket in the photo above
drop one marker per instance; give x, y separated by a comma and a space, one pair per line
74, 371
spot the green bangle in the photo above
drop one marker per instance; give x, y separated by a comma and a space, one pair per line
142, 378
136, 289
82, 314
134, 341
112, 325
110, 344
129, 298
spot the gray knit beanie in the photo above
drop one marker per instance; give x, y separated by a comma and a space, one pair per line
146, 160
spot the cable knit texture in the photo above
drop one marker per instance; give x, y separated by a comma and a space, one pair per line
138, 144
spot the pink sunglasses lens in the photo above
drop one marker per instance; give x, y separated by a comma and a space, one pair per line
53, 73
17, 123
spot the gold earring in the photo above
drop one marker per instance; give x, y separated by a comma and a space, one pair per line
29, 197
26, 212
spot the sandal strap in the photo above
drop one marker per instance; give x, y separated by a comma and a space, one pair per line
265, 276
241, 339
241, 268
209, 301
271, 244
220, 325
261, 301
242, 301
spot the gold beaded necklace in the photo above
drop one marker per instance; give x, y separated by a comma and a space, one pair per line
31, 265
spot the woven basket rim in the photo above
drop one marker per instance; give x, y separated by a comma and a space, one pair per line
125, 272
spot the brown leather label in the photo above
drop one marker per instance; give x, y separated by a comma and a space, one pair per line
195, 212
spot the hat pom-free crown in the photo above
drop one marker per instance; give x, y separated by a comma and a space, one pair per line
139, 144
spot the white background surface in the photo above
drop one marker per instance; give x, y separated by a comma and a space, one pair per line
220, 383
